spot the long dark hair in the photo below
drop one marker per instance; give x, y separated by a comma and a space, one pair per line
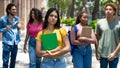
45, 24
9, 6
38, 15
79, 16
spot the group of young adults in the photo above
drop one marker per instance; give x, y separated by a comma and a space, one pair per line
106, 39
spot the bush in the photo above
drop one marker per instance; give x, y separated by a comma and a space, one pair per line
93, 24
71, 22
68, 21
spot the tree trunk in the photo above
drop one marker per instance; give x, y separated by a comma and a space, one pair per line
70, 12
95, 10
81, 7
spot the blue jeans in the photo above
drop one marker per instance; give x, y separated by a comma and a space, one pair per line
9, 52
53, 63
112, 64
82, 57
34, 60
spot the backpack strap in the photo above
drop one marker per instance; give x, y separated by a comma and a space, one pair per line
75, 28
72, 46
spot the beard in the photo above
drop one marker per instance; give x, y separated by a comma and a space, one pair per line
12, 14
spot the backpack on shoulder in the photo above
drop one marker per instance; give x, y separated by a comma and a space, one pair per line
71, 45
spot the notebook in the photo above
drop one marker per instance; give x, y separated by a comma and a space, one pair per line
49, 41
86, 32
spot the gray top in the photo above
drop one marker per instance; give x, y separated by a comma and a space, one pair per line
109, 35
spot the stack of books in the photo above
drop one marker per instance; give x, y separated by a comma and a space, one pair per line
86, 32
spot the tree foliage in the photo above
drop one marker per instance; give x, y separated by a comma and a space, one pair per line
61, 5
70, 8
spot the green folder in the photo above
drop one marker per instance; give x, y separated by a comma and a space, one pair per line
49, 41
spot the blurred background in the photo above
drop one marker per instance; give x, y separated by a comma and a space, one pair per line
68, 10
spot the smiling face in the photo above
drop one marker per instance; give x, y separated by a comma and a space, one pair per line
53, 17
12, 11
84, 18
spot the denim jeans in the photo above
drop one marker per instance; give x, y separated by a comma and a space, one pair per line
82, 57
53, 63
9, 52
112, 64
34, 60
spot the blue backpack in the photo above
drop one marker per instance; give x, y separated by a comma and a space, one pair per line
71, 45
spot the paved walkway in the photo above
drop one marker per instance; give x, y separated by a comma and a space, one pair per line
23, 59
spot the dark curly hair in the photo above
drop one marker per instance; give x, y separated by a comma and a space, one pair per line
9, 6
38, 15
